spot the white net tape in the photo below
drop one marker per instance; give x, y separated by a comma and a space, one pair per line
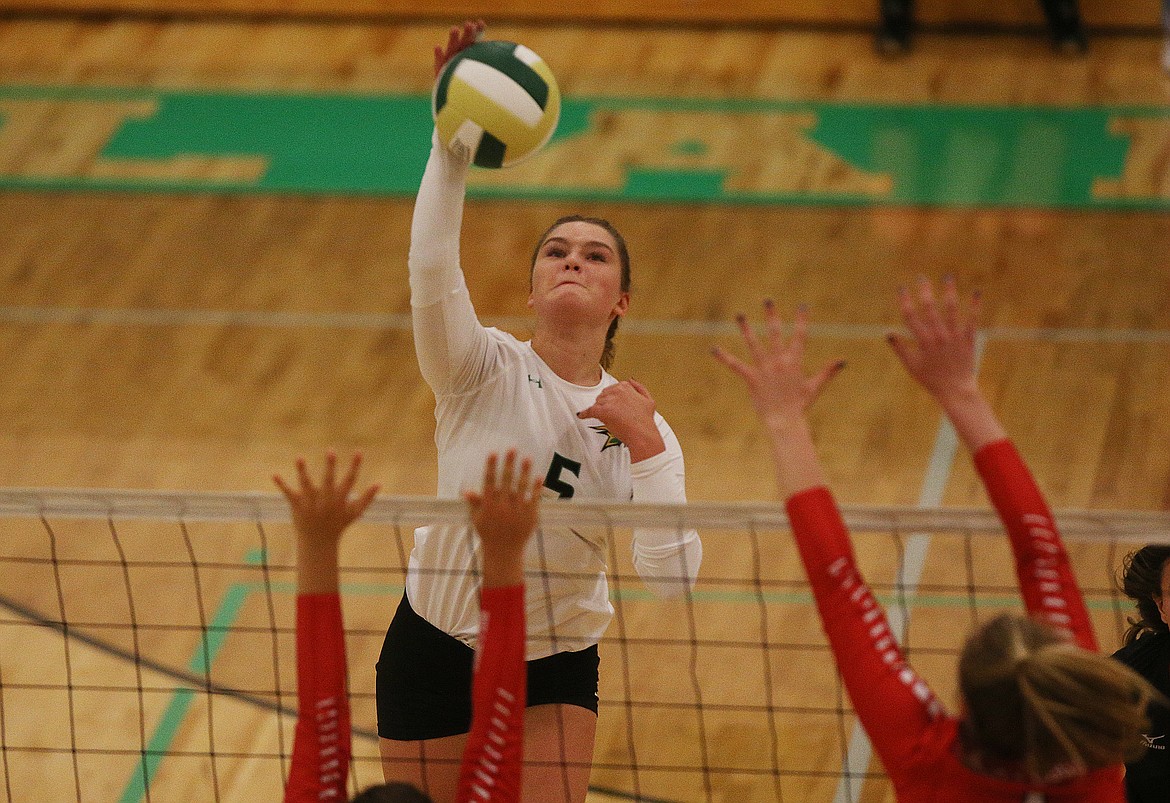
146, 640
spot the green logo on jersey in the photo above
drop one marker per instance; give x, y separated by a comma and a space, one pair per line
610, 440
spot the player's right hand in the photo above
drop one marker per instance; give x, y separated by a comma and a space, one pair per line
459, 38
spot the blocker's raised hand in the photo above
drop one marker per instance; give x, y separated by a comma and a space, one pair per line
774, 372
940, 354
505, 512
323, 510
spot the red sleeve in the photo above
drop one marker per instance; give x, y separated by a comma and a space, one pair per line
1046, 577
321, 747
495, 748
894, 704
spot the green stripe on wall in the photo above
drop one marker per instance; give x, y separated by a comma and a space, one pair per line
934, 155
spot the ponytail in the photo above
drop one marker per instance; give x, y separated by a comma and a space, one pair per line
1035, 700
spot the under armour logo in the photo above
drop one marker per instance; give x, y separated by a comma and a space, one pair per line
1149, 740
535, 380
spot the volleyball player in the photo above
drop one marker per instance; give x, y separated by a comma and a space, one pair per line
504, 514
591, 437
1146, 580
1043, 716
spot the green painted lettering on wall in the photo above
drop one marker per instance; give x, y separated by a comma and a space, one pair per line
631, 149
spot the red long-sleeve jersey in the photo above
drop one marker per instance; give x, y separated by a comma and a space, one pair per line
321, 744
493, 757
916, 739
491, 766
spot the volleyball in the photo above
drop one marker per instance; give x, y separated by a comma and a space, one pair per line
498, 101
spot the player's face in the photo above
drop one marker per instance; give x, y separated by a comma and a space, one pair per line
578, 275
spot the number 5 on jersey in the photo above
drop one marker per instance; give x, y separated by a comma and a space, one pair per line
553, 479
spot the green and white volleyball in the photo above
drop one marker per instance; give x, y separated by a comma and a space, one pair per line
497, 101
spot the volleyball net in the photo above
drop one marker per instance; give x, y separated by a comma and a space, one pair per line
147, 641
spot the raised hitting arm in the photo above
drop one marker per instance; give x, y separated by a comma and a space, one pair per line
449, 340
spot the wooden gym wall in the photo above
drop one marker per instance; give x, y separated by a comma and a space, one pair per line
1097, 13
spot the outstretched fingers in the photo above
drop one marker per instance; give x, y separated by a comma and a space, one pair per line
489, 473
507, 477
773, 324
306, 490
732, 362
532, 495
799, 332
459, 38
817, 382
329, 485
935, 318
912, 315
350, 478
325, 509
307, 486
525, 475
951, 315
774, 374
940, 322
288, 492
358, 506
974, 315
444, 54
748, 333
773, 344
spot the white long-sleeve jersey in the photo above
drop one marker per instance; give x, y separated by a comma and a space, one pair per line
493, 393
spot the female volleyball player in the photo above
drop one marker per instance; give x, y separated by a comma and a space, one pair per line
504, 514
1146, 580
591, 437
1043, 716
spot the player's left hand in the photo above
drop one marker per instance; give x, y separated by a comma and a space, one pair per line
627, 411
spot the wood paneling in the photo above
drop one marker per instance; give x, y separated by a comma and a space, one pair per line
1098, 13
207, 405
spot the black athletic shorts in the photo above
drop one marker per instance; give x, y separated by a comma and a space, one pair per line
424, 680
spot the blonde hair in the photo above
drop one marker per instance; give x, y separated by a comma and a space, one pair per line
1037, 701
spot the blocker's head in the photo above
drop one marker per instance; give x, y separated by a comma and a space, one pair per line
1034, 700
